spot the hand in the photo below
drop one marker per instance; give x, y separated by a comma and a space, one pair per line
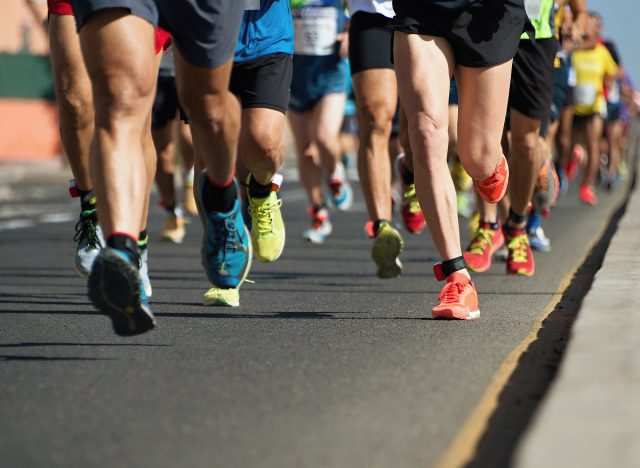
343, 40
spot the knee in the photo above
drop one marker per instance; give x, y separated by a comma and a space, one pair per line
375, 120
479, 157
263, 144
429, 138
211, 110
119, 96
76, 107
526, 146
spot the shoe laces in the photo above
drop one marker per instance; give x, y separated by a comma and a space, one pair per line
226, 237
481, 240
411, 199
518, 247
451, 292
264, 215
87, 228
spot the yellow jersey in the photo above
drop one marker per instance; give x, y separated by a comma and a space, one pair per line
591, 66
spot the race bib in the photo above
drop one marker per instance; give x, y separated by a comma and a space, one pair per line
251, 4
585, 95
316, 31
533, 8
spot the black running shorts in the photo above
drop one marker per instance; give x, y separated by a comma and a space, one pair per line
166, 104
263, 82
370, 42
205, 31
531, 89
483, 34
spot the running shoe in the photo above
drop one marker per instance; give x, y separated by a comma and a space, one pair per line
537, 238
188, 200
547, 188
320, 226
267, 226
386, 249
563, 180
484, 243
493, 188
412, 215
226, 246
341, 191
473, 224
587, 195
144, 270
520, 257
466, 204
173, 227
115, 289
89, 241
221, 297
461, 180
458, 299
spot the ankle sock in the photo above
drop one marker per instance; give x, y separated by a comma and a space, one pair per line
377, 222
219, 199
87, 200
406, 174
257, 190
143, 239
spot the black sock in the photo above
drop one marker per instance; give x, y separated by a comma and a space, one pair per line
125, 243
406, 174
257, 190
377, 222
219, 199
143, 239
515, 218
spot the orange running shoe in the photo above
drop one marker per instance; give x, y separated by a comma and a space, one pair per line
493, 188
587, 195
483, 245
520, 257
458, 299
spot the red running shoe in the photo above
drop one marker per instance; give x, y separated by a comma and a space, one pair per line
412, 215
493, 188
520, 257
587, 195
483, 245
458, 299
577, 155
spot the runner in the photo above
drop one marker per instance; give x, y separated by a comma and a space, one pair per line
595, 69
76, 115
317, 97
432, 41
117, 39
166, 127
260, 79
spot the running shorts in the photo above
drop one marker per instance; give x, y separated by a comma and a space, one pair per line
453, 92
263, 82
63, 7
315, 77
562, 92
483, 34
370, 42
205, 31
531, 89
166, 104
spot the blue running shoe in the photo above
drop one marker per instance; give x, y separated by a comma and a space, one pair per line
537, 239
226, 245
341, 191
116, 290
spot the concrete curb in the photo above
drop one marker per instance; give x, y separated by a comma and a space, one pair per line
591, 416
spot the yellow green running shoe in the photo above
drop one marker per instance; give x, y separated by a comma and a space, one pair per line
387, 246
267, 226
222, 297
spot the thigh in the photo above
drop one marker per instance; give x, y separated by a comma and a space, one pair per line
376, 92
324, 124
483, 94
300, 123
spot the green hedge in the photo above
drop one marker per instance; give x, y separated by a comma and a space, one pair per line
25, 76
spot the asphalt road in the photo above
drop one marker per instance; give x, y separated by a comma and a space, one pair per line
323, 365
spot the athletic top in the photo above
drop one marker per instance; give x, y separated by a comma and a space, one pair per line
591, 66
541, 15
266, 28
383, 7
317, 24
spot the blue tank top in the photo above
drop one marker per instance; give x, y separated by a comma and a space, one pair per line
266, 28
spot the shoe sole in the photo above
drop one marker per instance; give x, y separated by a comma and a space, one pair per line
385, 252
211, 298
451, 315
114, 289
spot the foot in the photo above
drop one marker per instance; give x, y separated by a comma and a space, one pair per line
483, 245
458, 299
412, 215
520, 256
267, 226
173, 228
341, 191
547, 188
537, 239
493, 188
220, 297
115, 288
587, 195
188, 200
320, 226
387, 246
89, 242
144, 271
226, 247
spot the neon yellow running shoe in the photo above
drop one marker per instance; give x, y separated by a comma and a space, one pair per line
461, 179
387, 246
267, 226
220, 297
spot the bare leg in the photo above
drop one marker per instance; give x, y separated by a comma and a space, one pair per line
163, 141
325, 129
308, 157
261, 143
376, 100
594, 131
